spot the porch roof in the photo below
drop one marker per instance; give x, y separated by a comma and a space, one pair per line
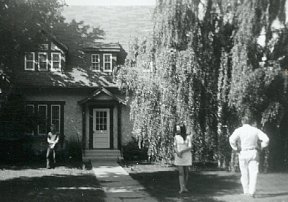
97, 92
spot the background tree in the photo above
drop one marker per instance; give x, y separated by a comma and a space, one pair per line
212, 62
22, 22
25, 24
257, 54
182, 55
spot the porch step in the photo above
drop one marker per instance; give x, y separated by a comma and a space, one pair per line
101, 154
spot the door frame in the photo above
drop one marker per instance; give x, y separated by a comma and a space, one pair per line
97, 145
91, 108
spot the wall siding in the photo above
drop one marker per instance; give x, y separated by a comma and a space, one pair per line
73, 113
72, 110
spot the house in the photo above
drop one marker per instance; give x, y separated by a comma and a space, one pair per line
79, 96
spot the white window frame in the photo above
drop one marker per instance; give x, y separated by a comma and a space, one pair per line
95, 62
39, 105
33, 61
43, 53
104, 62
51, 115
150, 68
52, 61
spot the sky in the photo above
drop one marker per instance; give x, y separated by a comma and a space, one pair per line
112, 2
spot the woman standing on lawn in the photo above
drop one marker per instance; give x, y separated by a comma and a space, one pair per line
183, 156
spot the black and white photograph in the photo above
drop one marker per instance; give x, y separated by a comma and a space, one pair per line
143, 100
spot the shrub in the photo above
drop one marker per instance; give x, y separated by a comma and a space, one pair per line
132, 152
74, 151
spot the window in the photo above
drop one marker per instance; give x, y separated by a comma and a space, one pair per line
107, 62
30, 110
95, 60
55, 116
30, 61
149, 67
55, 61
30, 114
44, 47
42, 114
42, 61
101, 120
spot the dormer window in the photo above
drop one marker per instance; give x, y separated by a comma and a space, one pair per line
55, 61
95, 60
42, 61
107, 61
30, 61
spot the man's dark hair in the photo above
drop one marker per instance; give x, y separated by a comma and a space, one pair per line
246, 119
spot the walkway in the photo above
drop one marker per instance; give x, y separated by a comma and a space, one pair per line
117, 183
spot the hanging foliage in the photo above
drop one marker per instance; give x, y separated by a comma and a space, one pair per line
172, 79
206, 63
256, 81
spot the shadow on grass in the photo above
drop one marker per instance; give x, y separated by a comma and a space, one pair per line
38, 165
203, 186
51, 188
270, 195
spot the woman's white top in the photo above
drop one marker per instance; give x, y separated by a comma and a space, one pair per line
181, 144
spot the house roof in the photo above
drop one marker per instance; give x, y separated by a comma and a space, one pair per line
55, 40
102, 47
77, 78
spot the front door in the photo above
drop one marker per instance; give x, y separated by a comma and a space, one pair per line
101, 128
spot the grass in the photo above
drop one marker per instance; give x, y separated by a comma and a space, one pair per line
71, 183
33, 182
162, 183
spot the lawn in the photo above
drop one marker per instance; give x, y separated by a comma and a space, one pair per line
35, 183
162, 183
72, 183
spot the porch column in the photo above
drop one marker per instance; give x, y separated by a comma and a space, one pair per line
119, 126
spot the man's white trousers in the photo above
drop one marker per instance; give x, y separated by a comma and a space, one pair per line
249, 166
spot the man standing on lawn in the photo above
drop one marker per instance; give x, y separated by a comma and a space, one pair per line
251, 141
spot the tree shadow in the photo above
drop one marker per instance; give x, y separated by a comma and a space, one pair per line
203, 186
21, 165
271, 195
52, 188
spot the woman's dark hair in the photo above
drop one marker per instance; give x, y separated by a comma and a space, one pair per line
183, 131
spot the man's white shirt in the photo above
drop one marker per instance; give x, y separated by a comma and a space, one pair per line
249, 137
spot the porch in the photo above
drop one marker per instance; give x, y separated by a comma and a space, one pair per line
101, 154
101, 118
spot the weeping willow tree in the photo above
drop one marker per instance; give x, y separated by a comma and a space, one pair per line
206, 66
172, 78
257, 63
